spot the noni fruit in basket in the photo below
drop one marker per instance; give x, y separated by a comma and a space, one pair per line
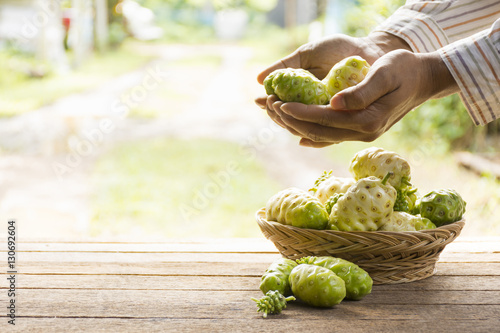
406, 199
378, 162
402, 221
366, 206
332, 201
297, 208
273, 302
442, 206
327, 185
317, 286
358, 282
346, 73
296, 85
276, 276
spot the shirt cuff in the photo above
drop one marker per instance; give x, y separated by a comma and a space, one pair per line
418, 29
473, 62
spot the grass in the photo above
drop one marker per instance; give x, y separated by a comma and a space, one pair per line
20, 93
179, 188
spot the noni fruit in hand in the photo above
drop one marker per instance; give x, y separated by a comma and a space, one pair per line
296, 85
346, 73
442, 206
276, 276
297, 208
402, 221
327, 185
358, 282
317, 286
378, 162
366, 206
272, 303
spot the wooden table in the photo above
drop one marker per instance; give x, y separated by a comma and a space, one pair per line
206, 286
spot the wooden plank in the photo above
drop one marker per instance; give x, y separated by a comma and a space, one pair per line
119, 257
238, 304
210, 269
252, 245
234, 283
283, 323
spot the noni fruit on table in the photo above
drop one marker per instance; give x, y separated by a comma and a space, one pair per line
378, 162
297, 208
358, 282
402, 221
273, 302
442, 206
276, 276
317, 286
346, 73
366, 206
296, 85
327, 185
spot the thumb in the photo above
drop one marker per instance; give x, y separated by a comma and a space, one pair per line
360, 96
290, 61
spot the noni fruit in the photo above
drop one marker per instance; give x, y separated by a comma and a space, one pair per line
296, 85
332, 201
378, 162
402, 221
442, 206
358, 282
327, 185
297, 208
317, 286
366, 206
276, 276
272, 303
346, 73
405, 200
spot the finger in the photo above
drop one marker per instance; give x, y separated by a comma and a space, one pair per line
375, 85
290, 61
326, 116
319, 133
261, 101
308, 143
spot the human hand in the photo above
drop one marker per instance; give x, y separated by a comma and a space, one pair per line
397, 83
319, 57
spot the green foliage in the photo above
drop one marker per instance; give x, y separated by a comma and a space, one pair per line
446, 120
367, 14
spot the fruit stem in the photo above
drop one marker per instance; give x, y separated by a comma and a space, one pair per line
290, 298
389, 174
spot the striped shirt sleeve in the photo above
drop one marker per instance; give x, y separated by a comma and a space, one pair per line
467, 35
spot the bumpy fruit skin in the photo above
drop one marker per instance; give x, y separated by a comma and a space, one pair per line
276, 276
358, 282
296, 85
378, 162
273, 302
328, 185
442, 206
332, 201
297, 208
317, 286
366, 206
402, 221
346, 73
405, 200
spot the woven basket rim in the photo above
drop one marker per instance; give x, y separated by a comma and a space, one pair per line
260, 216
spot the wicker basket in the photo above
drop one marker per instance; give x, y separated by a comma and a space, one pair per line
389, 257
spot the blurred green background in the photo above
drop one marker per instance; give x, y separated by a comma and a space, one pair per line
136, 120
